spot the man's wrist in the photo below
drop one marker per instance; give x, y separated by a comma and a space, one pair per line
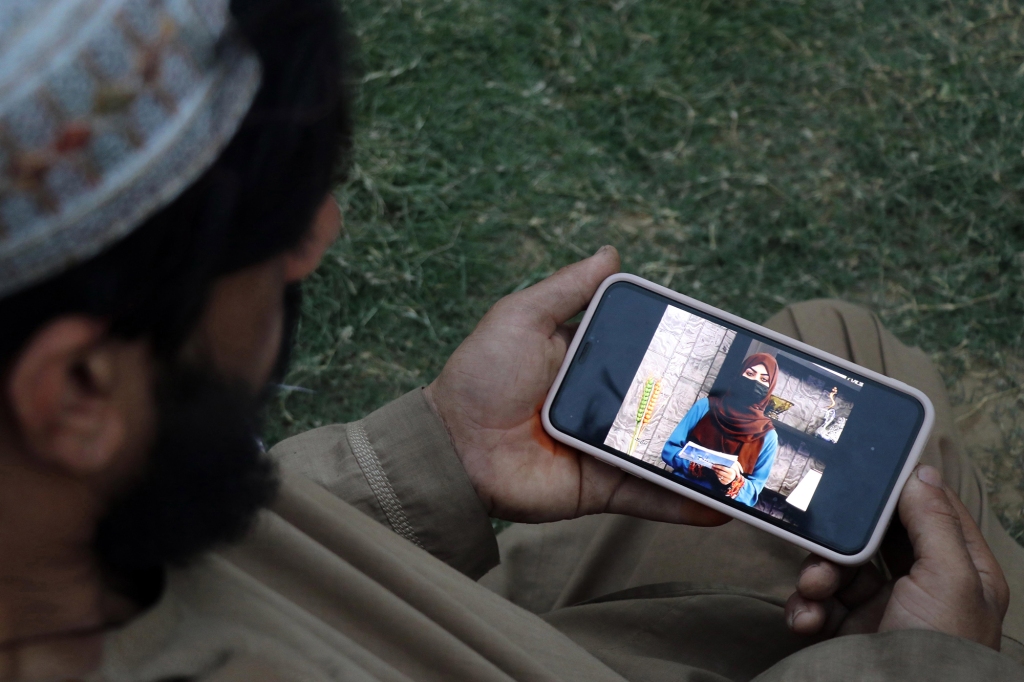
435, 400
429, 394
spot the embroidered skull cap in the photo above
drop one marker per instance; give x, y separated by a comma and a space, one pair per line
108, 110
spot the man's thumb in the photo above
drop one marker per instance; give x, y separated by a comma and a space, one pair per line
932, 522
569, 290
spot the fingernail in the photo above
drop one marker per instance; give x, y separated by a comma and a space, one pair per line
792, 616
809, 567
602, 250
929, 475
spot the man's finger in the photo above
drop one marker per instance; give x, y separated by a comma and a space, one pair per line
820, 579
850, 585
568, 291
810, 617
866, 583
643, 499
804, 616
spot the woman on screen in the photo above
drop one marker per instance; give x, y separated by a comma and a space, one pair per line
731, 424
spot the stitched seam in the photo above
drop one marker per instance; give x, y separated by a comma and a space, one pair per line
381, 487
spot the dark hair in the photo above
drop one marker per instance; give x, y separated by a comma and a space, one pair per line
256, 200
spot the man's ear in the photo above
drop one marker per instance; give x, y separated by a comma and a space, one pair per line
62, 392
303, 259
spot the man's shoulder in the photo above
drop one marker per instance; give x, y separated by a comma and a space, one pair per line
313, 454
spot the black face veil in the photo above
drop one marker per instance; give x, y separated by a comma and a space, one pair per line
746, 391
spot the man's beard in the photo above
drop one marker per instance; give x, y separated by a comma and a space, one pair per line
206, 475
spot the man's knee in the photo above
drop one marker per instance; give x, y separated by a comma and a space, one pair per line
844, 329
855, 333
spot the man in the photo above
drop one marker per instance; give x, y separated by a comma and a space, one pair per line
165, 166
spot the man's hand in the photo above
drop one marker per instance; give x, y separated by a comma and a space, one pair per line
489, 396
955, 585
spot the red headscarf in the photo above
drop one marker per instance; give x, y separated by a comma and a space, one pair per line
738, 429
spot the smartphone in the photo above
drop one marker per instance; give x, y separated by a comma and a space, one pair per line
795, 441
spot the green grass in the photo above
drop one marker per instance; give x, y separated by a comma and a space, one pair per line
750, 154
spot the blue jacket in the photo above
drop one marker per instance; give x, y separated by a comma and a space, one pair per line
755, 479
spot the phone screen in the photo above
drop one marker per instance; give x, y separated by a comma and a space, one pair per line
757, 425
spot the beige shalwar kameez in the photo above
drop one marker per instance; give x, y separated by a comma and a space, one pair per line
368, 568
